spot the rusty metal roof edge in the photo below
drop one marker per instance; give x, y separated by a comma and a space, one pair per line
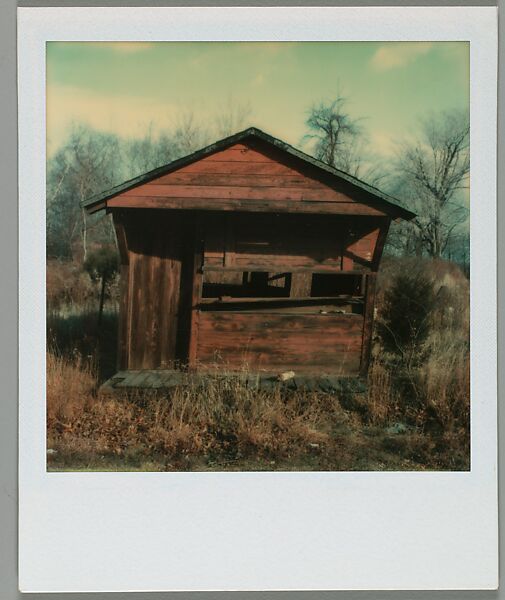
232, 139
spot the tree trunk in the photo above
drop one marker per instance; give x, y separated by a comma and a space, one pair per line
102, 298
84, 236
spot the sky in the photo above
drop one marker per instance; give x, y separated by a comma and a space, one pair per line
126, 87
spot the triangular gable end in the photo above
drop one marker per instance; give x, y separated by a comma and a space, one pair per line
250, 172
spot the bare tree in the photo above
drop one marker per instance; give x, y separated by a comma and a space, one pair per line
87, 163
333, 132
189, 134
340, 141
232, 117
433, 173
141, 155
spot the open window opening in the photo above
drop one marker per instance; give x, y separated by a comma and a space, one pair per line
245, 284
334, 285
297, 292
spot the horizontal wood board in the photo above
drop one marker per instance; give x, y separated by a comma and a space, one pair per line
247, 177
269, 342
289, 241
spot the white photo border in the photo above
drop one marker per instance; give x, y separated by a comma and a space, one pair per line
88, 532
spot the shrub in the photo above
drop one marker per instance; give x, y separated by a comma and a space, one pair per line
102, 264
405, 319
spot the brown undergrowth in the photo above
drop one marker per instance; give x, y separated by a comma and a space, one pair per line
415, 418
224, 424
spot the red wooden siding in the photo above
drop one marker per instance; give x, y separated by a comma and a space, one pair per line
149, 331
161, 322
308, 343
288, 241
245, 178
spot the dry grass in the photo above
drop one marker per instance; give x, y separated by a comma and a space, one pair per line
220, 420
224, 424
409, 419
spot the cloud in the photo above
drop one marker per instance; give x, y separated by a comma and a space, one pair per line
382, 143
398, 54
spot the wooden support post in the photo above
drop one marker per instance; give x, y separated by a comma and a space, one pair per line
119, 221
301, 284
196, 294
362, 285
122, 338
368, 316
381, 241
229, 242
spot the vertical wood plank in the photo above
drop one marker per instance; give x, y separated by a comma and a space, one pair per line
301, 284
122, 338
135, 311
347, 261
119, 221
381, 241
371, 280
130, 308
229, 241
196, 293
153, 306
171, 238
155, 271
145, 321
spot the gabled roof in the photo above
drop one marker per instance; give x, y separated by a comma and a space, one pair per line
384, 201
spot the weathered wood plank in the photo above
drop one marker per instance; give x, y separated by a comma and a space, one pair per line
291, 241
244, 204
229, 242
286, 300
239, 154
124, 275
174, 248
301, 284
315, 343
245, 168
305, 309
122, 243
380, 243
135, 378
136, 312
273, 194
122, 338
371, 279
236, 322
196, 294
155, 256
151, 299
290, 179
265, 262
282, 266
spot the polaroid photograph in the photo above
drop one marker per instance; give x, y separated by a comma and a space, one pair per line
257, 298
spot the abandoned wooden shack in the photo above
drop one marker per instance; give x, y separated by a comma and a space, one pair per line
247, 254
